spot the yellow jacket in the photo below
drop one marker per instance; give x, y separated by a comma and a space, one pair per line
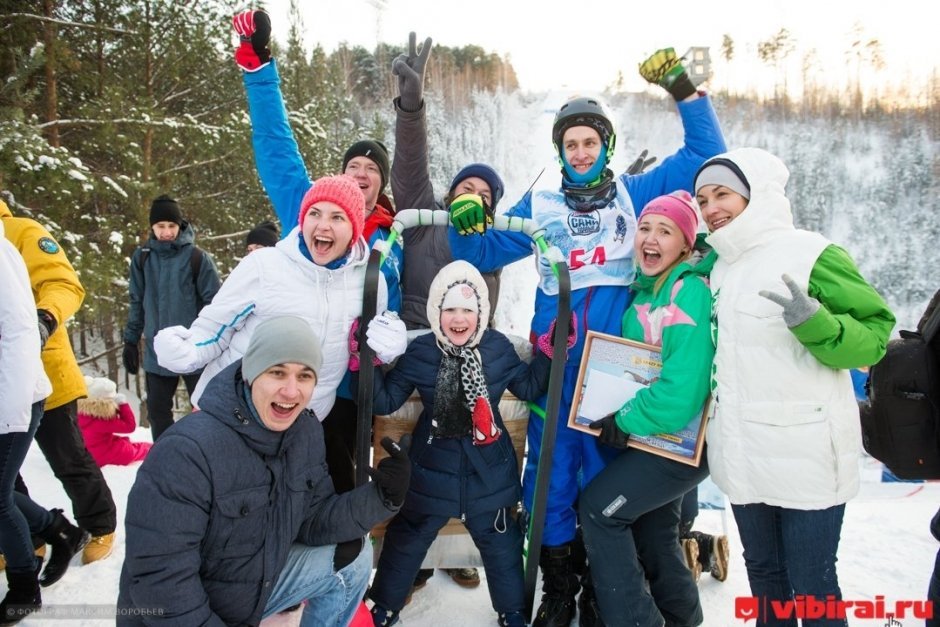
57, 290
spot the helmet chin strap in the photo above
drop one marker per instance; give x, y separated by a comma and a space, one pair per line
586, 179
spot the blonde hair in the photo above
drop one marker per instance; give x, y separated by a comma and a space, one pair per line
103, 408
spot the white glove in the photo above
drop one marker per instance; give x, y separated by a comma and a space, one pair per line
120, 399
174, 350
387, 336
551, 256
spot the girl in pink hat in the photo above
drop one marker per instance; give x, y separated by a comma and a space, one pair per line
630, 511
316, 273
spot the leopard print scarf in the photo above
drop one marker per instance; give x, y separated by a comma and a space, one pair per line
460, 382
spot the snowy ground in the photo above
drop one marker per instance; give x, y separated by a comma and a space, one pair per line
886, 550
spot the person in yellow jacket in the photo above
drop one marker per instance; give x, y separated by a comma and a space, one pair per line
58, 294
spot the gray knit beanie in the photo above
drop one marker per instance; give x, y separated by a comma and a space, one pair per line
720, 174
287, 339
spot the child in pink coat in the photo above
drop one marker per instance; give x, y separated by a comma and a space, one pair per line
103, 414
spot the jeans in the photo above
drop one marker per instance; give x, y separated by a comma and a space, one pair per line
63, 446
332, 598
19, 515
630, 520
160, 392
789, 552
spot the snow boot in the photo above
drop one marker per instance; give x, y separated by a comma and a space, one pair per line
713, 554
512, 619
559, 586
464, 577
23, 595
66, 541
690, 550
382, 617
589, 613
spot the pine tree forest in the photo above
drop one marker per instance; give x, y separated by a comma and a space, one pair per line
106, 104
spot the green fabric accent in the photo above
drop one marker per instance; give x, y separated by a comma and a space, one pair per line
853, 326
687, 352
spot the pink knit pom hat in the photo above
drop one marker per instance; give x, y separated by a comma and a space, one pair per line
678, 207
341, 190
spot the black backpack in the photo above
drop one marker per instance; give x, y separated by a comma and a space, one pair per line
195, 263
901, 427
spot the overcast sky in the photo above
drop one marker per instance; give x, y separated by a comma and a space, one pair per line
582, 45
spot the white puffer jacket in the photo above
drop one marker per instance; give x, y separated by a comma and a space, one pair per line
785, 430
22, 378
268, 283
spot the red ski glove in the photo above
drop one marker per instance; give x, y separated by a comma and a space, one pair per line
254, 31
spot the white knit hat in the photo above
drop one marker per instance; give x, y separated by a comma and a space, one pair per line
100, 387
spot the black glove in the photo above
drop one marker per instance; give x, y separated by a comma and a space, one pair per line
611, 434
345, 553
47, 326
393, 474
131, 357
641, 163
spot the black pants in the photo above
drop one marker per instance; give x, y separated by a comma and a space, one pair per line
160, 392
339, 436
630, 518
409, 536
62, 444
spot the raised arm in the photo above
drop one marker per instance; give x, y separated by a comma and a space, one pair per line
277, 156
411, 176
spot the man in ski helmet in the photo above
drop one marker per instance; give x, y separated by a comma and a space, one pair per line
591, 218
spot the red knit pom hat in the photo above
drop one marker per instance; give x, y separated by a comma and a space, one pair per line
678, 207
341, 190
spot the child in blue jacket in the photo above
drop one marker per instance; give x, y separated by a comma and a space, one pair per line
463, 461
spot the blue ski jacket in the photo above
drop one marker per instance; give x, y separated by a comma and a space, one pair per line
598, 300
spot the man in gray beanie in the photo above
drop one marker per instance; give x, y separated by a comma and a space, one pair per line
252, 528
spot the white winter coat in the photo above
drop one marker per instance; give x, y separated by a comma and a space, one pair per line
786, 429
23, 380
272, 282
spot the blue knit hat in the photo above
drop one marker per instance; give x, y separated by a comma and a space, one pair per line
485, 172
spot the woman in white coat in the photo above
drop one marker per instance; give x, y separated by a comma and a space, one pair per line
315, 273
23, 390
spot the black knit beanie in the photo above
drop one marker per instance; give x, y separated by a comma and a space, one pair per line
165, 209
371, 149
265, 234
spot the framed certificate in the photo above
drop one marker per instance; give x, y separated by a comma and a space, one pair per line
613, 370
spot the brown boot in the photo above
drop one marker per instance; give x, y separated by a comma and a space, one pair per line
464, 577
99, 548
690, 550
